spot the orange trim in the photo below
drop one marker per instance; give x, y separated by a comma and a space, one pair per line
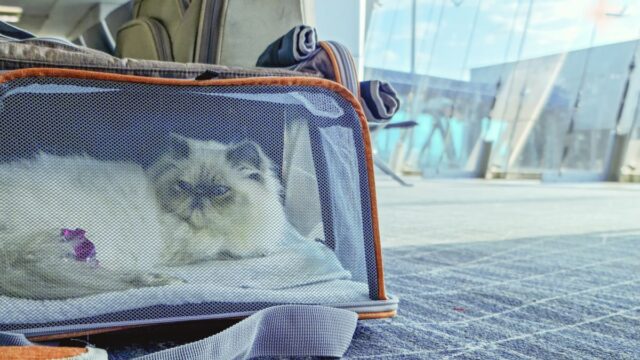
336, 69
377, 315
273, 81
39, 352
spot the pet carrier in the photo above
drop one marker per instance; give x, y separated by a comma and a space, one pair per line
128, 200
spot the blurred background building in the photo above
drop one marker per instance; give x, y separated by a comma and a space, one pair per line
510, 89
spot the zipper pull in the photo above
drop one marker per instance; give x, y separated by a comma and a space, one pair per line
208, 75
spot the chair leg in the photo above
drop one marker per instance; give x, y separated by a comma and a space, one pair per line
387, 170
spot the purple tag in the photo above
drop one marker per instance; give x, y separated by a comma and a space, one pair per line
83, 248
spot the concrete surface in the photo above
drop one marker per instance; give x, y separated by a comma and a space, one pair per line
455, 211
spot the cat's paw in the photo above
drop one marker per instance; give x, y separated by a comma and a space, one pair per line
178, 258
227, 255
154, 279
231, 255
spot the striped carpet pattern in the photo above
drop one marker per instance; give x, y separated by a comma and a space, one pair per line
564, 297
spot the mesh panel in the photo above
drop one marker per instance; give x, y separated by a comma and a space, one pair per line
178, 202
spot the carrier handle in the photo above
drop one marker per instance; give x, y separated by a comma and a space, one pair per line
208, 75
287, 330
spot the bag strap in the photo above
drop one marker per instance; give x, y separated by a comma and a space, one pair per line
287, 330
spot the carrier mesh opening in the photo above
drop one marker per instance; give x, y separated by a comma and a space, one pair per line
195, 201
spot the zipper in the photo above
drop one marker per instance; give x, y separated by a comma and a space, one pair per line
161, 38
184, 5
208, 46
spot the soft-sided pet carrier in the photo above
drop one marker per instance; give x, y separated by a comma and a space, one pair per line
130, 200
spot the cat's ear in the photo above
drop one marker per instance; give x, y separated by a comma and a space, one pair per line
179, 147
246, 153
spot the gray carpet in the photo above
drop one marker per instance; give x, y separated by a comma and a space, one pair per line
569, 297
565, 297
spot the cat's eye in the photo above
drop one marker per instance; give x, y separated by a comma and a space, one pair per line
184, 186
255, 177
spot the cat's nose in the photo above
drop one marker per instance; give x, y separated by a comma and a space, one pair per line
197, 203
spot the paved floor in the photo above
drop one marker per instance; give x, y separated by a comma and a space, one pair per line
457, 211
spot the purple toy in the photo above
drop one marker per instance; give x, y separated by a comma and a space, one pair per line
83, 248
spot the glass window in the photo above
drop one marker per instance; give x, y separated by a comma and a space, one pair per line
544, 81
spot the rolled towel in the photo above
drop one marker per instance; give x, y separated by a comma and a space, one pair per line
379, 100
291, 48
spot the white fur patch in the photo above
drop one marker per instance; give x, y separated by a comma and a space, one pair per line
138, 221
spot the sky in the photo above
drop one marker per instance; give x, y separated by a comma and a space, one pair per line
448, 43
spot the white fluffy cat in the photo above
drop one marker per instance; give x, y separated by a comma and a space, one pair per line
202, 200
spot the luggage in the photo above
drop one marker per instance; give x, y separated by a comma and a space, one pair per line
226, 32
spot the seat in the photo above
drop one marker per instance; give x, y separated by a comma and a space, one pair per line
97, 37
225, 32
101, 36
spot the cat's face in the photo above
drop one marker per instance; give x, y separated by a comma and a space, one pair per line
210, 184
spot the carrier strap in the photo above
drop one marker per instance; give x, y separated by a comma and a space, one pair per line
287, 330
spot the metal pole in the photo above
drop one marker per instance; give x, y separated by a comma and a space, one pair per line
413, 36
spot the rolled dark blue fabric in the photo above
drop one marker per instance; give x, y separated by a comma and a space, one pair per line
12, 32
291, 48
379, 100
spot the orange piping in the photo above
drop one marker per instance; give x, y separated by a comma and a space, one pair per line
40, 352
377, 315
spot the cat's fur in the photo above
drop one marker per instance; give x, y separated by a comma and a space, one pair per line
202, 200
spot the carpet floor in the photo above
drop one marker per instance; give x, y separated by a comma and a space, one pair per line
554, 297
566, 297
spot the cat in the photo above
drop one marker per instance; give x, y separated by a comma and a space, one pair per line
200, 201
